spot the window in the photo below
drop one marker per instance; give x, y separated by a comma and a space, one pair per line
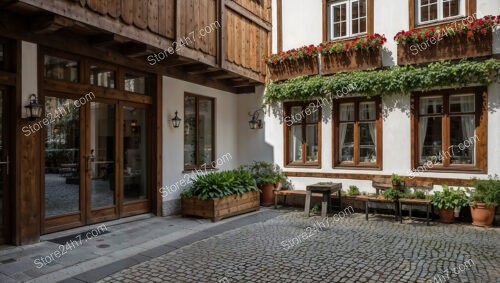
61, 69
435, 10
103, 77
303, 134
357, 133
137, 83
199, 135
347, 18
450, 130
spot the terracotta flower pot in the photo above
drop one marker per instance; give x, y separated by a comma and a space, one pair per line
266, 196
447, 215
482, 215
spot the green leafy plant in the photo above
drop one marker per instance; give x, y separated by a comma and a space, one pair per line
486, 191
387, 81
392, 194
450, 198
266, 173
419, 194
221, 184
315, 209
353, 191
396, 179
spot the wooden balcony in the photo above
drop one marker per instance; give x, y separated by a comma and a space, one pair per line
218, 43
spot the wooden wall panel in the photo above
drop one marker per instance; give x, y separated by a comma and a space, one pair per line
197, 25
260, 8
246, 42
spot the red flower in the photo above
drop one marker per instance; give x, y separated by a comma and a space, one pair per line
363, 44
470, 34
373, 45
484, 30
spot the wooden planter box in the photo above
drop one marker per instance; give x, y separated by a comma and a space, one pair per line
292, 69
219, 208
350, 61
448, 48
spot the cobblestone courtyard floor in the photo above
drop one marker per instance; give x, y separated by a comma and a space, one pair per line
289, 248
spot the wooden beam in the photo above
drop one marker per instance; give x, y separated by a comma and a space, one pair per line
135, 49
204, 80
50, 23
279, 24
102, 40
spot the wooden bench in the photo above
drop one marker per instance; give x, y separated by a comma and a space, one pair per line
286, 193
378, 199
417, 186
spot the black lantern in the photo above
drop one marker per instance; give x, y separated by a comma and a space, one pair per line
255, 123
33, 108
176, 121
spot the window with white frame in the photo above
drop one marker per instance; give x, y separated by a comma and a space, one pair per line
435, 10
347, 18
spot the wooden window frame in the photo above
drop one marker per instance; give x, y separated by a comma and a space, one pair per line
119, 85
337, 164
470, 11
197, 110
286, 134
481, 119
326, 21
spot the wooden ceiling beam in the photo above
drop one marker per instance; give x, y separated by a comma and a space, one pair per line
134, 49
102, 40
49, 23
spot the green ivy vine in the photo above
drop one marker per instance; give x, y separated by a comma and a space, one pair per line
391, 80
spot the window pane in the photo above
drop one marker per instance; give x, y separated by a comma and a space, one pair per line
367, 111
102, 77
424, 14
135, 154
313, 116
355, 26
61, 69
451, 8
312, 142
430, 135
346, 141
136, 83
205, 146
190, 131
337, 32
62, 157
367, 142
431, 105
346, 112
362, 8
296, 114
433, 11
462, 139
362, 25
355, 10
462, 103
295, 143
102, 154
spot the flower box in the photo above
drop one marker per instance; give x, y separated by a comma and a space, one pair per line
219, 208
293, 68
350, 61
445, 48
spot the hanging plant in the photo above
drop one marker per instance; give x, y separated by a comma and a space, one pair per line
397, 79
371, 42
471, 28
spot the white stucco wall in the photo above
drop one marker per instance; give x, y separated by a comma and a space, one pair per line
226, 140
302, 26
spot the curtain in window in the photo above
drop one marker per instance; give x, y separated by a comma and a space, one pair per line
342, 132
346, 114
422, 125
468, 127
373, 132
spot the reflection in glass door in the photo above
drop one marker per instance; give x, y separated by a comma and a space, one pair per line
102, 155
62, 157
4, 166
134, 154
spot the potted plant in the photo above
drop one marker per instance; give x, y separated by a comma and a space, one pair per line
483, 200
397, 181
392, 194
266, 175
221, 194
353, 191
447, 201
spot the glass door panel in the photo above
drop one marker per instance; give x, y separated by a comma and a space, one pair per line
134, 154
102, 154
62, 157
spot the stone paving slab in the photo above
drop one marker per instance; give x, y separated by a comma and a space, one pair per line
292, 248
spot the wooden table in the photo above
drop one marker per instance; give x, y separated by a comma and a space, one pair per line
327, 190
411, 202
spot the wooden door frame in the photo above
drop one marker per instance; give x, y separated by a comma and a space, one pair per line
6, 235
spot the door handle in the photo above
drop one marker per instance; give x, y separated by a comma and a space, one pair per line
7, 164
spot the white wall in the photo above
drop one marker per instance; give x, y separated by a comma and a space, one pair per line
226, 111
302, 23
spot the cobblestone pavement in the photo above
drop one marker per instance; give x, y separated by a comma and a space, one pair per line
350, 250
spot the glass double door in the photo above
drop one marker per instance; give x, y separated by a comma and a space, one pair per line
5, 167
95, 161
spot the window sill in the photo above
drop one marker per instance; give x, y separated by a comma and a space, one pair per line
440, 23
359, 167
311, 166
198, 170
347, 38
451, 169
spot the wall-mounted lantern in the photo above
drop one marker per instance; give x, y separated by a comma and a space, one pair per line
176, 121
34, 108
255, 123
